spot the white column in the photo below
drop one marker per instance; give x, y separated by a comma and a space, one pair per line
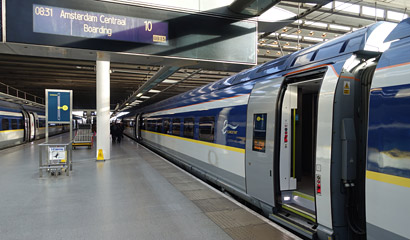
103, 104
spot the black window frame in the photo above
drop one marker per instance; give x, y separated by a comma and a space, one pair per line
166, 125
5, 124
176, 126
189, 125
14, 124
206, 129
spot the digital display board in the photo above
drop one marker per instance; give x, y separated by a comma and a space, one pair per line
78, 23
125, 28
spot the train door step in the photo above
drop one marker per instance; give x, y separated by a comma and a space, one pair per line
299, 211
306, 230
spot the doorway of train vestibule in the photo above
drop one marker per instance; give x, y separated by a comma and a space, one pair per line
298, 133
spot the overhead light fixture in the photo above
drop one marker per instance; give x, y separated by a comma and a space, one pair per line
139, 94
267, 51
154, 91
126, 104
277, 53
144, 97
311, 33
285, 29
287, 43
299, 31
169, 81
336, 35
324, 35
275, 42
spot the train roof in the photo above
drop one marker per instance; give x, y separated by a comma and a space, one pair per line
401, 31
366, 39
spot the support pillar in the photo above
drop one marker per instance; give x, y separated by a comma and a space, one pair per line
103, 105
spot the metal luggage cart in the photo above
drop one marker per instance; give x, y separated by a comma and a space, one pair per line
83, 136
55, 158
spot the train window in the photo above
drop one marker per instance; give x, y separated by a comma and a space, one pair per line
42, 123
5, 124
166, 126
144, 124
176, 126
152, 125
159, 125
329, 51
189, 127
206, 128
14, 124
304, 59
259, 132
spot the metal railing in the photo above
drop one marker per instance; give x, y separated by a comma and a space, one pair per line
4, 88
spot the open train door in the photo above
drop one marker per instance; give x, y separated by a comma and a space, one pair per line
26, 126
32, 126
138, 127
298, 134
260, 130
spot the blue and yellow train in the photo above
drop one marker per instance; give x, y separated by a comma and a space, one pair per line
319, 140
21, 124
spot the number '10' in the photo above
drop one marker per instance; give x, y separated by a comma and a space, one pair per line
148, 26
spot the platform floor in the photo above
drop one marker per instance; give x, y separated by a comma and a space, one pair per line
135, 195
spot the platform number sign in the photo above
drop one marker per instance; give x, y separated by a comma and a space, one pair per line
58, 106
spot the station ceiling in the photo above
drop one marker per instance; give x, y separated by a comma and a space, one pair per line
34, 74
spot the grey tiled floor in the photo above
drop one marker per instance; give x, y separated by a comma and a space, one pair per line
135, 195
123, 198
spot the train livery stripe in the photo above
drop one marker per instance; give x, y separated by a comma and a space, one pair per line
13, 114
234, 149
14, 130
212, 104
387, 178
393, 66
311, 68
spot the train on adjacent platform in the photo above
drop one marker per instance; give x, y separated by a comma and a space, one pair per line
319, 140
21, 124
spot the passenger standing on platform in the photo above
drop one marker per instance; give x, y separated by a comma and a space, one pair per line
113, 130
118, 132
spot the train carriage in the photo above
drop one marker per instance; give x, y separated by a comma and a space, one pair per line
290, 136
21, 124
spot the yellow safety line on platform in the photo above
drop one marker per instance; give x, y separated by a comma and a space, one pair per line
387, 178
234, 149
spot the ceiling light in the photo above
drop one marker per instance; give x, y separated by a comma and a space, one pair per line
169, 81
285, 30
267, 51
154, 91
324, 35
275, 42
126, 104
144, 97
287, 43
139, 94
311, 33
299, 31
277, 53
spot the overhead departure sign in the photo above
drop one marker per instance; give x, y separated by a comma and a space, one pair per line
58, 106
86, 24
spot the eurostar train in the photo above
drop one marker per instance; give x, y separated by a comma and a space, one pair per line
319, 140
22, 124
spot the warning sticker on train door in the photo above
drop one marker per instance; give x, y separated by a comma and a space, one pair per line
346, 88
